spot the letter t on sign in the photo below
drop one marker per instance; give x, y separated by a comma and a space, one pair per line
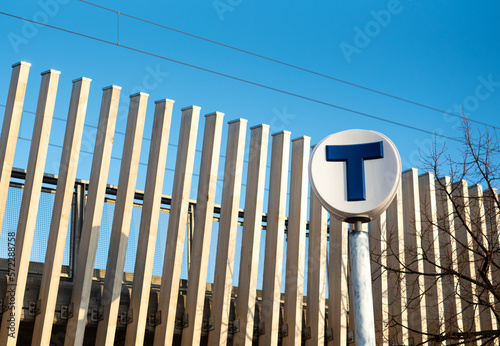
354, 156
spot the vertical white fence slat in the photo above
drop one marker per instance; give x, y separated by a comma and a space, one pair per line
122, 216
430, 245
275, 232
203, 214
10, 128
296, 241
252, 226
29, 205
82, 281
448, 254
493, 229
338, 296
228, 227
396, 280
479, 230
465, 257
378, 249
416, 297
61, 212
176, 233
316, 271
141, 287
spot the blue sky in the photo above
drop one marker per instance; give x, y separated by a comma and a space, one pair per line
441, 54
438, 53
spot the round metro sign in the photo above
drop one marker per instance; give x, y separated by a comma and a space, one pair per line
355, 174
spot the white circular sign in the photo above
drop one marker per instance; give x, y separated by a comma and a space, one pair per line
355, 174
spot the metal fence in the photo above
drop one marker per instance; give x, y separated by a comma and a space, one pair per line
279, 276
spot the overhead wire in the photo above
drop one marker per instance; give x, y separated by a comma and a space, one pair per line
233, 77
325, 103
419, 104
140, 163
147, 139
227, 76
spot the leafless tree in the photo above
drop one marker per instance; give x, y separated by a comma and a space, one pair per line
451, 272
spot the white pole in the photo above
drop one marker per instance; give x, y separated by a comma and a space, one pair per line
362, 286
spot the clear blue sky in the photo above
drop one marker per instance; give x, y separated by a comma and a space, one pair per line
439, 53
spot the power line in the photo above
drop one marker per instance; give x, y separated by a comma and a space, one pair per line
283, 63
91, 153
123, 134
239, 79
88, 125
140, 163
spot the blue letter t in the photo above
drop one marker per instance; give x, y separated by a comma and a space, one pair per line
354, 156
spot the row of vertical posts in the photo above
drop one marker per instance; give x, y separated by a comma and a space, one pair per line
91, 206
421, 207
429, 226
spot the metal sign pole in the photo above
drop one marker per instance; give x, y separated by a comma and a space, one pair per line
337, 175
362, 285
